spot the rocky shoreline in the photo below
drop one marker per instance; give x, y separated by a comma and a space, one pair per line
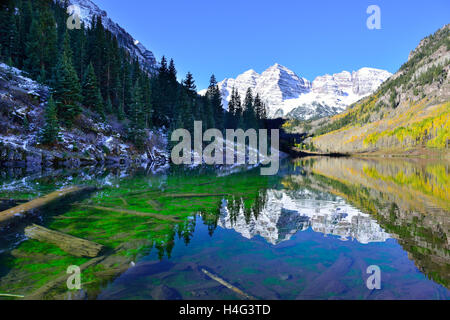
90, 142
20, 156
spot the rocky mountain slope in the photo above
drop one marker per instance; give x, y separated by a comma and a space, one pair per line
409, 113
89, 9
91, 141
290, 96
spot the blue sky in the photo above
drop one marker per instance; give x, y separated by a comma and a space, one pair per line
311, 38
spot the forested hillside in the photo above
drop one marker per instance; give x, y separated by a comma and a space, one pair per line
88, 74
409, 112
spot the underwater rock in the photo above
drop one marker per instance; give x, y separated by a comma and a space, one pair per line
164, 292
285, 277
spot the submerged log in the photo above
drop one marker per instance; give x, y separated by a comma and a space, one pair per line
39, 203
132, 212
137, 193
40, 293
112, 261
155, 204
9, 295
72, 245
228, 285
125, 203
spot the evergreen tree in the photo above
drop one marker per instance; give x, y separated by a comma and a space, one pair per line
67, 89
4, 30
8, 31
163, 67
25, 18
92, 97
164, 96
99, 56
121, 111
248, 101
189, 84
50, 132
230, 122
249, 115
14, 45
208, 114
215, 98
108, 106
32, 64
172, 93
188, 98
148, 101
238, 110
116, 71
78, 44
172, 71
186, 113
49, 41
260, 110
137, 132
127, 88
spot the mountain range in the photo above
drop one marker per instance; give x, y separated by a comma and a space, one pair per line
288, 95
89, 9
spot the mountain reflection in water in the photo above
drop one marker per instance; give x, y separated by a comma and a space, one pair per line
308, 233
285, 212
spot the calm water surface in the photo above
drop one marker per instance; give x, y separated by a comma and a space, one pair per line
308, 233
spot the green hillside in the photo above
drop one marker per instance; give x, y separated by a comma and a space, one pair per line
410, 111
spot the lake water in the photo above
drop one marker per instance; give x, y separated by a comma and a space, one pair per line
311, 232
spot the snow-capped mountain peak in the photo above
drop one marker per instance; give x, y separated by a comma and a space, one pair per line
88, 10
278, 83
288, 95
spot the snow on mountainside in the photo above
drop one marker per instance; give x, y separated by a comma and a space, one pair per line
290, 96
89, 9
285, 213
91, 141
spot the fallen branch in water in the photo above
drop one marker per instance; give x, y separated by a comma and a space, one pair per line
70, 244
112, 260
136, 193
39, 203
11, 295
77, 218
40, 293
125, 203
228, 285
136, 213
155, 204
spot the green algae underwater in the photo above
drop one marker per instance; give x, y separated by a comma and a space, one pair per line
309, 232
